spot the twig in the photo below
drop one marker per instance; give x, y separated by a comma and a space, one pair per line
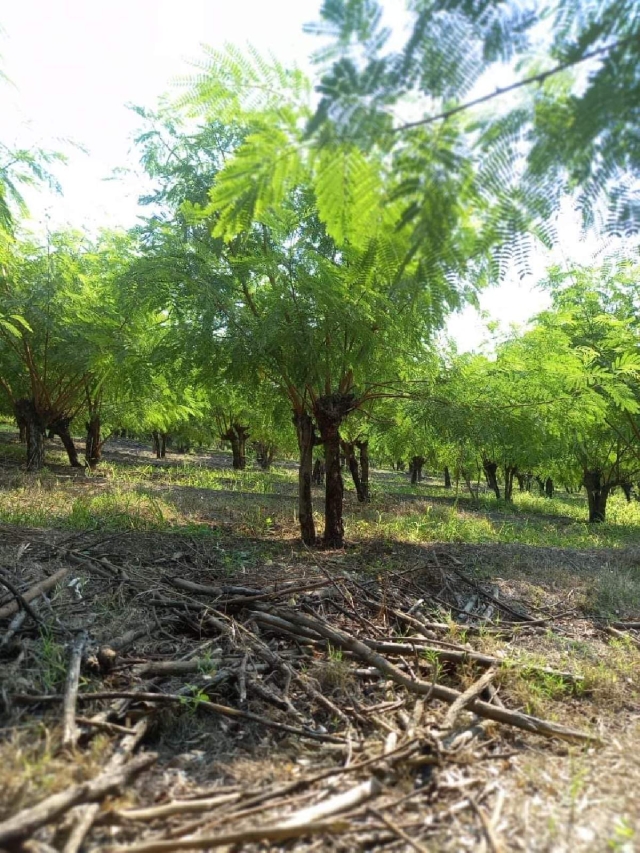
34, 592
70, 731
397, 830
178, 807
14, 627
29, 820
494, 844
465, 698
334, 805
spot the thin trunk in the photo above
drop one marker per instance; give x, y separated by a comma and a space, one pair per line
60, 427
548, 488
490, 469
348, 449
22, 426
156, 443
597, 494
540, 483
627, 490
521, 480
330, 410
447, 477
509, 472
318, 473
306, 440
363, 447
93, 446
163, 445
35, 433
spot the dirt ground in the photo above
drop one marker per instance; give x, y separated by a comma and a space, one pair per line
294, 699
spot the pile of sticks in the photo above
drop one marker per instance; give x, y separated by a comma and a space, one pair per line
356, 673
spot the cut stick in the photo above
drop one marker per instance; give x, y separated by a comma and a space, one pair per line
70, 731
334, 805
465, 698
247, 836
28, 821
85, 815
177, 699
437, 691
44, 586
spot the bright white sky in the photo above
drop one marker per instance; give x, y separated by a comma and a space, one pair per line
75, 65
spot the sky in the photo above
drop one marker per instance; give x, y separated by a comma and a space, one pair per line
76, 65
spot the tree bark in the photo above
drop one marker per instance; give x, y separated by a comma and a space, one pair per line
60, 426
627, 489
22, 425
264, 454
93, 446
490, 470
330, 410
521, 479
306, 440
447, 477
35, 433
597, 494
548, 488
156, 443
363, 447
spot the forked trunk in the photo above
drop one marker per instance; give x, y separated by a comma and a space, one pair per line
363, 447
34, 433
93, 446
60, 427
597, 494
447, 478
306, 440
490, 470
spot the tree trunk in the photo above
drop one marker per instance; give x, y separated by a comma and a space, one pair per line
330, 410
363, 447
416, 469
22, 425
509, 473
264, 454
93, 446
306, 440
540, 485
35, 433
447, 477
163, 445
156, 443
237, 436
627, 490
597, 494
521, 479
490, 470
400, 465
548, 488
318, 473
60, 427
348, 449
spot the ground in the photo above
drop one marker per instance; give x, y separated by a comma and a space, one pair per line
189, 585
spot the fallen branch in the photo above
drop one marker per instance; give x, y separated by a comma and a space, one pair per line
246, 836
28, 821
176, 699
343, 640
334, 805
